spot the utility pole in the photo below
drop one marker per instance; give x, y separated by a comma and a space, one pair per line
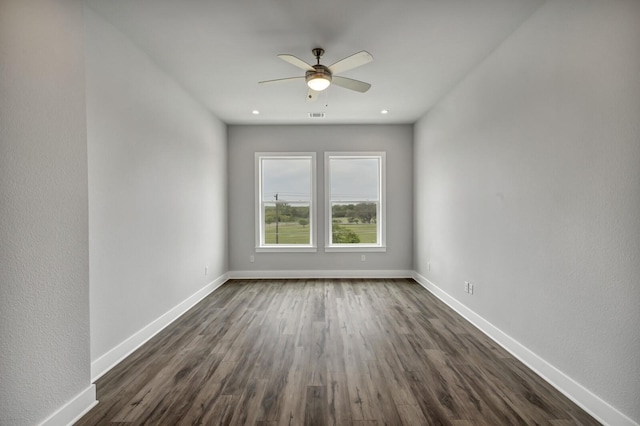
277, 218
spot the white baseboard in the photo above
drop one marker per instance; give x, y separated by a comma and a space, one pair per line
107, 361
293, 274
591, 403
73, 410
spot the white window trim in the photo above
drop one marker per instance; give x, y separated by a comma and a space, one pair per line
382, 196
259, 220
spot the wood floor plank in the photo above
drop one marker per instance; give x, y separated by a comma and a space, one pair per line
248, 409
411, 415
325, 352
273, 399
151, 395
292, 411
380, 394
315, 407
205, 396
339, 409
317, 368
221, 412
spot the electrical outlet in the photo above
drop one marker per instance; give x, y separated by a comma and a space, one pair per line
429, 266
470, 288
252, 258
466, 286
363, 258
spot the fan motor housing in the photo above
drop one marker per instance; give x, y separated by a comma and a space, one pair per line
318, 71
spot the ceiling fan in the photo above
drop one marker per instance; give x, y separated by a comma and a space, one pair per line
318, 77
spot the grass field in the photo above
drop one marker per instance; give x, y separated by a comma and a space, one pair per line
294, 233
288, 233
366, 233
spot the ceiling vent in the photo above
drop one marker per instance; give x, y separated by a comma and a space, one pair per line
316, 115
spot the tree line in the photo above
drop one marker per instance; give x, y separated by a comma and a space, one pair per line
361, 212
365, 213
286, 213
355, 213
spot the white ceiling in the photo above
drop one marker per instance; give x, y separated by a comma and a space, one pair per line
218, 50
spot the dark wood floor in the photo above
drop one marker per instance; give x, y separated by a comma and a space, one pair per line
326, 352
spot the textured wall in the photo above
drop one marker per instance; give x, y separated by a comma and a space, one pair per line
527, 184
244, 141
44, 265
157, 189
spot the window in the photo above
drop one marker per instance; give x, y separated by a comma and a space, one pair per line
285, 184
355, 207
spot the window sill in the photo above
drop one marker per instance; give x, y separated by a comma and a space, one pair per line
287, 249
356, 248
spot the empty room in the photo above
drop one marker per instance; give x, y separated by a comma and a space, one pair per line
320, 212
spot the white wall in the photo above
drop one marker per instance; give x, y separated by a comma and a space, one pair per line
44, 263
157, 190
244, 141
527, 184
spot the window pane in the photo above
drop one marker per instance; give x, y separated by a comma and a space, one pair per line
354, 179
354, 223
289, 178
286, 223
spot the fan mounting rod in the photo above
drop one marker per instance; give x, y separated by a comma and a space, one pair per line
318, 52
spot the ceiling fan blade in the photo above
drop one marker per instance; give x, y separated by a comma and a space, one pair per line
312, 95
281, 80
351, 62
295, 61
349, 83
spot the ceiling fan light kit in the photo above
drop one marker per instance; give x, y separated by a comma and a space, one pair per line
318, 80
319, 77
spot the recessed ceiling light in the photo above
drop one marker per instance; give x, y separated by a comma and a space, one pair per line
384, 111
255, 112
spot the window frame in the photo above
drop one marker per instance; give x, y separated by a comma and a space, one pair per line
381, 217
260, 245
